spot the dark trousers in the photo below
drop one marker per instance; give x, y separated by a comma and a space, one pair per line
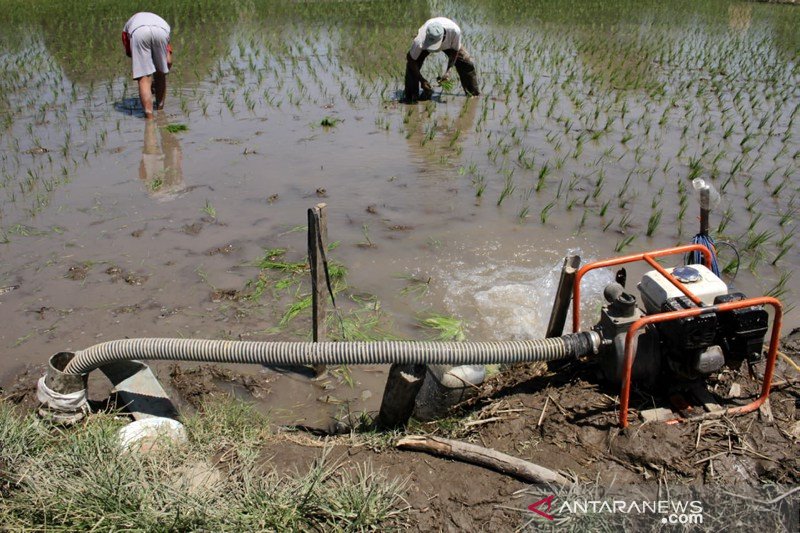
464, 66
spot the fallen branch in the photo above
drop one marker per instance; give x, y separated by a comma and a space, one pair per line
486, 457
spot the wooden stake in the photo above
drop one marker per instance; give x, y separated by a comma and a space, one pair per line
317, 241
400, 394
486, 457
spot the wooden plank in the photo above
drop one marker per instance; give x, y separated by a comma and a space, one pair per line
558, 315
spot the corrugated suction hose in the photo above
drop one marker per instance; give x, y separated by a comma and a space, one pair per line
335, 353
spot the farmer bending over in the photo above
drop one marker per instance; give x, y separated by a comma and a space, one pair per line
146, 40
438, 35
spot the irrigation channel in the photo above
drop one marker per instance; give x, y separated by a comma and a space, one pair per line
448, 219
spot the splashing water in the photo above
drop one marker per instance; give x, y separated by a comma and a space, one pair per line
505, 300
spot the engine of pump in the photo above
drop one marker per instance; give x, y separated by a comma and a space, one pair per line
689, 348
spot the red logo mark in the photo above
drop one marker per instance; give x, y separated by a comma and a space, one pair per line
535, 506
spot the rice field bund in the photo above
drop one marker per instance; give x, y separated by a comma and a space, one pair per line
447, 219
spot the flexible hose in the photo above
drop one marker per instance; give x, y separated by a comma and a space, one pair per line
334, 353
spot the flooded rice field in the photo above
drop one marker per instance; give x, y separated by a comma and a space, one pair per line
447, 218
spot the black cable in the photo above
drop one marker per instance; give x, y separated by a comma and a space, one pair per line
738, 257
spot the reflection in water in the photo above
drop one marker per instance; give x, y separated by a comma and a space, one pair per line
161, 168
432, 136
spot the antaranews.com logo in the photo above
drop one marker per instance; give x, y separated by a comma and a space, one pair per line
676, 512
769, 507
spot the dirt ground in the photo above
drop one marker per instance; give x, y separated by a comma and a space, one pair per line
577, 434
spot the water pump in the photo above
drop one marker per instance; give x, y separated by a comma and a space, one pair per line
687, 348
688, 326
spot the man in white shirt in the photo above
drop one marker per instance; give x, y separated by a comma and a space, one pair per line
438, 34
146, 41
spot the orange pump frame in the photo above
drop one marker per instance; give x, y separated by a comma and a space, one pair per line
630, 338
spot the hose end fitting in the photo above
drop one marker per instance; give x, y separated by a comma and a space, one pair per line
62, 396
596, 341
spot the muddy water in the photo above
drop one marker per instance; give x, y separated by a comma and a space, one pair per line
592, 121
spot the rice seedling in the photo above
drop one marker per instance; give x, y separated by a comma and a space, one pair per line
682, 210
508, 187
787, 216
417, 286
479, 183
447, 328
725, 219
624, 243
543, 172
625, 222
210, 210
653, 222
367, 242
777, 190
544, 213
329, 122
754, 221
780, 289
755, 240
604, 208
582, 222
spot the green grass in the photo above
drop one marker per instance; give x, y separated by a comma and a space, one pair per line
176, 128
156, 183
329, 122
295, 308
271, 261
77, 479
366, 322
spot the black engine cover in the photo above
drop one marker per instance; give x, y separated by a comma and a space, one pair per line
741, 331
691, 333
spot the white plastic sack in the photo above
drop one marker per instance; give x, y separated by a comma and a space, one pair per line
145, 432
66, 403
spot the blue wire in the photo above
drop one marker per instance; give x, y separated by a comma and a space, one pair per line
695, 258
